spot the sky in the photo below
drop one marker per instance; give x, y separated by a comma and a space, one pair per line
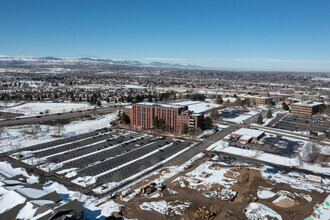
277, 35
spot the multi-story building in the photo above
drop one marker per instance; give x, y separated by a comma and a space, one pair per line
142, 116
306, 108
259, 100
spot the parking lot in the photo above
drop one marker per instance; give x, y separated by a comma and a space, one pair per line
104, 155
271, 144
294, 122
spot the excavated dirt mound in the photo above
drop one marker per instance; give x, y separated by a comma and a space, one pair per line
285, 203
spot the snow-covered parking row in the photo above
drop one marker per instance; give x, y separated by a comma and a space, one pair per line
53, 166
174, 170
38, 160
92, 179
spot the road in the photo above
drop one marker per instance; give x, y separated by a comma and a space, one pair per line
45, 118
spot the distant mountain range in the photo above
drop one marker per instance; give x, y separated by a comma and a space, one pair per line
138, 63
12, 60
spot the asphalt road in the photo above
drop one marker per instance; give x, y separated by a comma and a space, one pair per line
45, 118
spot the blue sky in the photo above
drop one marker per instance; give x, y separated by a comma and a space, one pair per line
253, 34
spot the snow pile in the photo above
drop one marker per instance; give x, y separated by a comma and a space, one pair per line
172, 191
68, 173
217, 146
260, 211
171, 208
264, 193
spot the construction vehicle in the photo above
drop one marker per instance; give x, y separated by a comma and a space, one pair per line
203, 213
251, 198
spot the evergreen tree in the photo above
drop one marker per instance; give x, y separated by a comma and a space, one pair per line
125, 118
269, 114
185, 129
219, 100
41, 179
285, 106
259, 120
149, 98
208, 122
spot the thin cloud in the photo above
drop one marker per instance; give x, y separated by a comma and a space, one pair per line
19, 51
268, 60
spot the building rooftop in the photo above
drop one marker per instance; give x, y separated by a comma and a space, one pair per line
308, 103
248, 132
159, 105
21, 200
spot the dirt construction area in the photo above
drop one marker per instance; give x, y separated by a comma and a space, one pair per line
209, 189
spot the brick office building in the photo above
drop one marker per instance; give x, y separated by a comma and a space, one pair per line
142, 116
306, 108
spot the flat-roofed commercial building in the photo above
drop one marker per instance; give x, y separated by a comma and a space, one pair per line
259, 100
306, 108
245, 135
142, 116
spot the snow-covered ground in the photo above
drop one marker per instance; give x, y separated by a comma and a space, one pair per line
203, 176
280, 132
16, 137
266, 121
172, 208
241, 118
260, 211
223, 146
8, 104
95, 208
35, 108
322, 211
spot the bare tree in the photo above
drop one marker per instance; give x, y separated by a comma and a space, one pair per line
59, 130
312, 153
214, 114
35, 129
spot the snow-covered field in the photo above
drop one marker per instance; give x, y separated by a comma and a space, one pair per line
35, 108
8, 104
17, 138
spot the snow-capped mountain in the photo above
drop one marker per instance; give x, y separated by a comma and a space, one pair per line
16, 60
